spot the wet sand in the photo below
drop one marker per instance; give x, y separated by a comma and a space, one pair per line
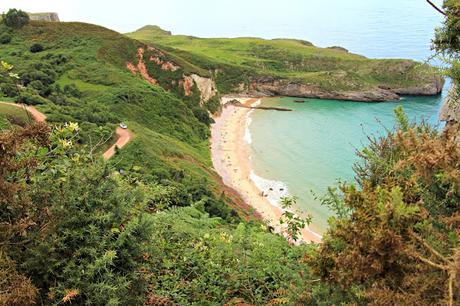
231, 158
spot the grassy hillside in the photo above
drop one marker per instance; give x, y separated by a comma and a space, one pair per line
163, 230
81, 76
241, 60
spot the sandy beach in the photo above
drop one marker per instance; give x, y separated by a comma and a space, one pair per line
231, 156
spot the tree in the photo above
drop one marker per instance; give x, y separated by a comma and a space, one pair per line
15, 18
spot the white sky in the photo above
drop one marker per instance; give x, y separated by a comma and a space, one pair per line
350, 23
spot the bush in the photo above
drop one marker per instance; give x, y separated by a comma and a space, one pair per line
5, 39
35, 48
16, 18
391, 230
31, 99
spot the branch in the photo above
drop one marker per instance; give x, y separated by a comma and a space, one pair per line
428, 247
430, 263
436, 8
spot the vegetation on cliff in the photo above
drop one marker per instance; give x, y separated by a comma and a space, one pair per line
154, 225
240, 63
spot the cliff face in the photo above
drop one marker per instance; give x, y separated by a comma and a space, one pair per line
270, 86
52, 17
450, 111
156, 68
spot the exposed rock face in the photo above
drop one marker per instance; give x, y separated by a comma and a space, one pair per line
140, 67
44, 17
269, 86
428, 89
450, 110
206, 86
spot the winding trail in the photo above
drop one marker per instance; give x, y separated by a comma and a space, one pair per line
124, 135
37, 115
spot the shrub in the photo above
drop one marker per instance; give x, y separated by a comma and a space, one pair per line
35, 48
31, 99
5, 39
395, 235
15, 18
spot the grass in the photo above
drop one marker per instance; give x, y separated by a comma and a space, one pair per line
171, 144
294, 60
12, 114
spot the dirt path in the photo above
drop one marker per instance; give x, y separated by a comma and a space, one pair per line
37, 115
124, 136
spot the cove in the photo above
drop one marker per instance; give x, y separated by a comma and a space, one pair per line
314, 146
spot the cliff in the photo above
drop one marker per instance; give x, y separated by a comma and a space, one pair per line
450, 111
52, 17
291, 67
269, 86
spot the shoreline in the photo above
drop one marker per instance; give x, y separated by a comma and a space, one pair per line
231, 157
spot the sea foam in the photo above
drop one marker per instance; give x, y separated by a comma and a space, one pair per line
274, 190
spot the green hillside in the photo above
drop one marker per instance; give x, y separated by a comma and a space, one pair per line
154, 225
81, 76
237, 61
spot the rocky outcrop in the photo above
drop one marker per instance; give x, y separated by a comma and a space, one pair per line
206, 86
141, 67
269, 86
428, 89
450, 110
52, 17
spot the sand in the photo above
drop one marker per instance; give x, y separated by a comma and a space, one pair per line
231, 156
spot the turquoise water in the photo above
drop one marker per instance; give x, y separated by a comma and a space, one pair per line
311, 147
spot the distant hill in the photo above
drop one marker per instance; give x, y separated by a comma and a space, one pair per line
148, 32
293, 67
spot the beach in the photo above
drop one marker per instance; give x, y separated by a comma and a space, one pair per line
231, 156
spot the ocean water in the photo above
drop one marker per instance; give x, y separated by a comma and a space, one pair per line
314, 146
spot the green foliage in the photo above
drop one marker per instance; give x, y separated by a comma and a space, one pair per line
5, 38
396, 236
35, 48
15, 18
295, 223
240, 61
86, 228
197, 263
447, 39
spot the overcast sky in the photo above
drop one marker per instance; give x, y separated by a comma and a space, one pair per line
324, 22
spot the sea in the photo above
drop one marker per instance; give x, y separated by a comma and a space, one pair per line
305, 151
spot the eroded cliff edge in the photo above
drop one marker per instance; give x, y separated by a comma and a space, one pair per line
269, 86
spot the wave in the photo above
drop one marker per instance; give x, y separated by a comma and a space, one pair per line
247, 133
274, 190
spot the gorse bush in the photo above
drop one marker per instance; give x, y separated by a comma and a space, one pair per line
80, 245
395, 239
5, 38
35, 48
